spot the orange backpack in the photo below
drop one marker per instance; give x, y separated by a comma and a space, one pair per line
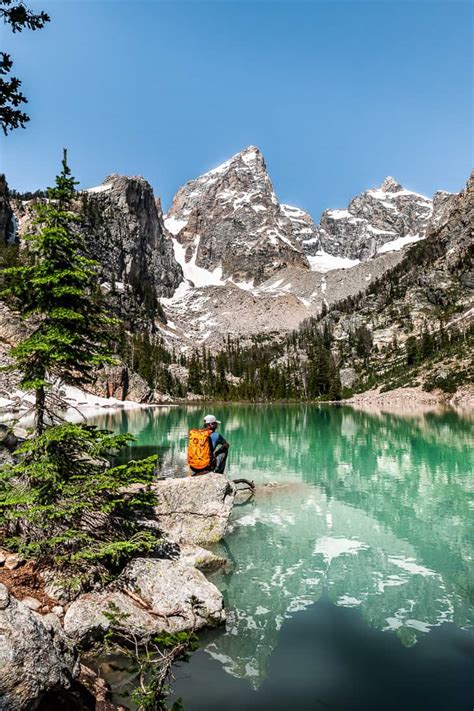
199, 449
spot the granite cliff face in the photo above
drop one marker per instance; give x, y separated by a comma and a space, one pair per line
429, 291
229, 222
304, 229
7, 218
374, 220
125, 233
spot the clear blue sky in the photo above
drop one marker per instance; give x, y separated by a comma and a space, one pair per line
336, 94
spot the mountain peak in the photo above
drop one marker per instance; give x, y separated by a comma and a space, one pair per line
251, 156
250, 153
390, 185
229, 219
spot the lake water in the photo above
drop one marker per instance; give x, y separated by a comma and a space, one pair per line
351, 577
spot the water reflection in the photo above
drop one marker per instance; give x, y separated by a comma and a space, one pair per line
373, 512
329, 658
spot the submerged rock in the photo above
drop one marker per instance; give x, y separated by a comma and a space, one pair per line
200, 558
150, 596
195, 509
35, 655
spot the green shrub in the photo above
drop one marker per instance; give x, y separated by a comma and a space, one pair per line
64, 505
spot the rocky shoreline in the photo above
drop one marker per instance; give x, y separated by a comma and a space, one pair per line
405, 401
45, 629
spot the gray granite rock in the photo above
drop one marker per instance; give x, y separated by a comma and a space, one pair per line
195, 509
169, 588
126, 235
230, 219
372, 219
443, 203
200, 558
348, 377
120, 382
35, 655
304, 229
32, 603
85, 622
165, 596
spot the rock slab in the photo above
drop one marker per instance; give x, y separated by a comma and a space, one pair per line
195, 509
35, 655
160, 600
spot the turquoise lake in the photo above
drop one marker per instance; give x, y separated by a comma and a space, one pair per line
351, 577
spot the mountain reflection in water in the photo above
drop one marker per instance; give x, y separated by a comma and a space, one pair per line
370, 512
329, 659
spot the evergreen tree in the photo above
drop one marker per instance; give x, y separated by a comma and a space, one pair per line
69, 511
194, 375
55, 292
18, 16
62, 502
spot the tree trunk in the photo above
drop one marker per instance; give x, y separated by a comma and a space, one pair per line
40, 406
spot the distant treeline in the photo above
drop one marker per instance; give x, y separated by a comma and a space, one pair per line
28, 195
300, 366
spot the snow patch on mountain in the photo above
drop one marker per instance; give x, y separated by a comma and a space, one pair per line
192, 272
174, 226
398, 244
99, 188
324, 262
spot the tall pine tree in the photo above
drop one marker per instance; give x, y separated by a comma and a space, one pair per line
55, 291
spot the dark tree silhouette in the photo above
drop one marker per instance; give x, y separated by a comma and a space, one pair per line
19, 17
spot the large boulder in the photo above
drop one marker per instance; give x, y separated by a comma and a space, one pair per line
151, 596
120, 382
180, 594
35, 655
87, 619
195, 509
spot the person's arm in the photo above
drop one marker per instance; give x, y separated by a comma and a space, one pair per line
222, 444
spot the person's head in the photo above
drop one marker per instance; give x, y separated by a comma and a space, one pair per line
210, 422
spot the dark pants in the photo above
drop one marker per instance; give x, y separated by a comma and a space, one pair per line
220, 461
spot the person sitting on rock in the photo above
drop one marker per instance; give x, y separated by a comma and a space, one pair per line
207, 450
220, 447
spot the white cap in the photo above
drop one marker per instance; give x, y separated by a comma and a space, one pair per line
210, 420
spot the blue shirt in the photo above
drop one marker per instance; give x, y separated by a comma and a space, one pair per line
216, 439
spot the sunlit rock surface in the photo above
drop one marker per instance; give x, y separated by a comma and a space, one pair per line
35, 655
194, 509
166, 588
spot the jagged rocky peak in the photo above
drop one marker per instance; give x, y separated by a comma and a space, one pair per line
393, 208
126, 235
443, 203
390, 185
304, 228
375, 221
229, 223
